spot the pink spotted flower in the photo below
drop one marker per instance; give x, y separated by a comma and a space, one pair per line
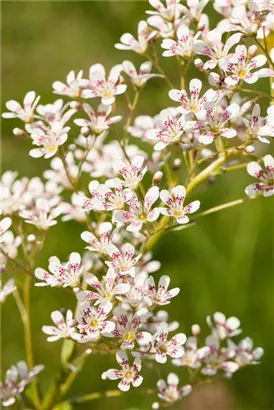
241, 68
184, 45
216, 121
97, 122
92, 322
106, 289
141, 78
139, 45
139, 213
63, 326
169, 392
223, 327
128, 374
72, 88
122, 261
160, 296
128, 328
175, 204
132, 173
266, 177
25, 112
162, 347
101, 86
98, 245
59, 274
168, 10
193, 104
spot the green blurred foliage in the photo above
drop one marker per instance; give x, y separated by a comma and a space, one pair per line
224, 263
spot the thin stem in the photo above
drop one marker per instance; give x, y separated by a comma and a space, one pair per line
16, 263
160, 70
132, 106
261, 94
28, 339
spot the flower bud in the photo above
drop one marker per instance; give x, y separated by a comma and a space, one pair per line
104, 376
195, 329
19, 133
76, 105
157, 177
155, 405
211, 179
199, 64
177, 163
186, 147
31, 238
88, 350
85, 131
252, 51
250, 149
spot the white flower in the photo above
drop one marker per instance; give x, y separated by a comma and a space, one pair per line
183, 47
260, 127
139, 80
266, 184
175, 203
128, 374
122, 261
139, 213
25, 112
169, 391
58, 174
9, 244
72, 88
100, 86
243, 352
192, 355
194, 9
128, 42
241, 68
169, 12
98, 245
214, 48
43, 215
162, 347
218, 359
97, 122
128, 326
92, 322
132, 172
106, 289
160, 296
5, 223
215, 122
169, 129
59, 274
8, 288
16, 379
164, 28
48, 139
64, 326
223, 327
193, 104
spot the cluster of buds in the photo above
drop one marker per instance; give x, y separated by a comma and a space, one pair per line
133, 195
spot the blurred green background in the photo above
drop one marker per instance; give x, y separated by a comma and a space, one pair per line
224, 263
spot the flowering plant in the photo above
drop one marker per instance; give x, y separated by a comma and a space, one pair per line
125, 198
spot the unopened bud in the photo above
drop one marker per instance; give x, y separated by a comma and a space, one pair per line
177, 163
250, 149
186, 147
157, 177
104, 376
252, 51
76, 105
19, 133
211, 179
76, 290
72, 147
198, 62
155, 405
85, 131
88, 350
31, 238
195, 329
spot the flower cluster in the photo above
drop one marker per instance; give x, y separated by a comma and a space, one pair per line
125, 192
